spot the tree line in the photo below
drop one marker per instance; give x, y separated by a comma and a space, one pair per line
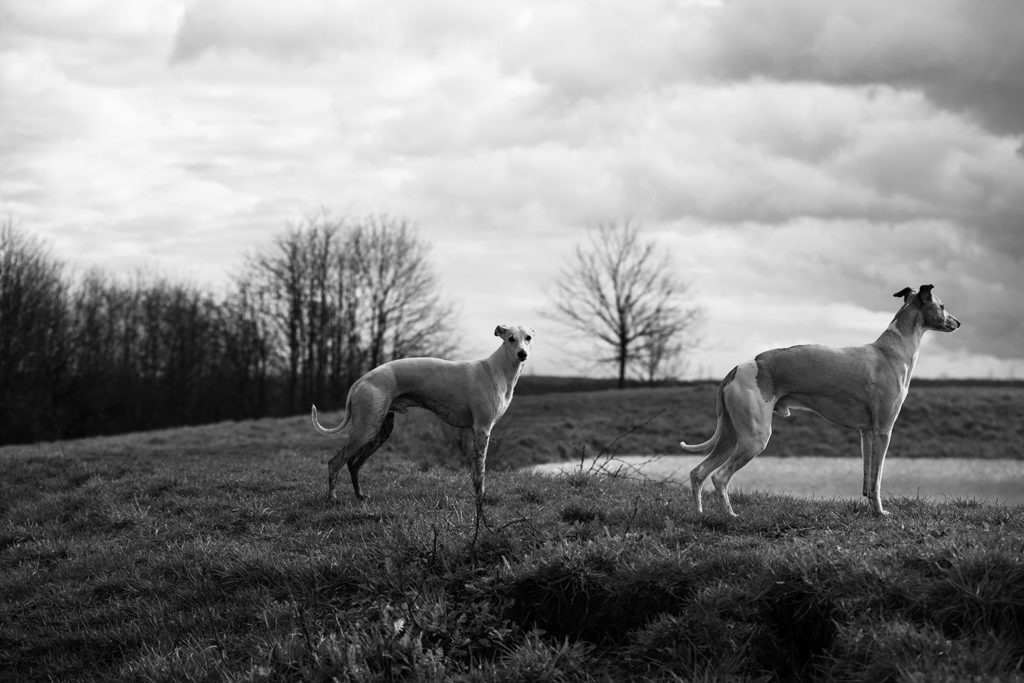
95, 353
326, 301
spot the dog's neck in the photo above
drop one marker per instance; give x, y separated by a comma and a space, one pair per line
902, 339
506, 368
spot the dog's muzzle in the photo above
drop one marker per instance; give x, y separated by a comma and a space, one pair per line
522, 355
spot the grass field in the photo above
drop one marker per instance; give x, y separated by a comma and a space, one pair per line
208, 553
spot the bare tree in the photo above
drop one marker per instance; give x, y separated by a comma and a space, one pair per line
33, 334
399, 305
664, 354
621, 291
248, 347
342, 296
292, 286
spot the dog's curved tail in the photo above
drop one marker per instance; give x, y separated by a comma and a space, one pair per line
708, 445
329, 430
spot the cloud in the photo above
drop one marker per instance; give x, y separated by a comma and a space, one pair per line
312, 30
90, 21
765, 153
300, 28
810, 157
964, 56
802, 108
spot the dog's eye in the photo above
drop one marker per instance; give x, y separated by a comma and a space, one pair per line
528, 338
512, 339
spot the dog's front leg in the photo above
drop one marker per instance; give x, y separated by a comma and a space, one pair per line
879, 445
865, 452
481, 437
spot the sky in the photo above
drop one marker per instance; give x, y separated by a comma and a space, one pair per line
798, 161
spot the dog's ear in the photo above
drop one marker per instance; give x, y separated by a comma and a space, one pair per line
926, 292
904, 294
500, 330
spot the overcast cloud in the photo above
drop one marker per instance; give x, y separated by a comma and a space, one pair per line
801, 159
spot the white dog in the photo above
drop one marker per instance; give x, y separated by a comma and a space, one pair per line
860, 387
466, 394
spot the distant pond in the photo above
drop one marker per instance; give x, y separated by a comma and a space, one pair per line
995, 481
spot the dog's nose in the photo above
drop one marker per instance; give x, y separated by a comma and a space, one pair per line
522, 355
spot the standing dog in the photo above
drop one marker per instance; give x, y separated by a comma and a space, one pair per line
860, 387
466, 394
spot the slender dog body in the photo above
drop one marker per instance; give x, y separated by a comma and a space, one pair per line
466, 394
859, 387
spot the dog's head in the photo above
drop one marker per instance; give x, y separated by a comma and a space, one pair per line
933, 311
517, 339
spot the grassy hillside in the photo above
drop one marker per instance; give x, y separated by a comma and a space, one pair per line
208, 553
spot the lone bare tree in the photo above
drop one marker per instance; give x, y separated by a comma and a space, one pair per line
621, 291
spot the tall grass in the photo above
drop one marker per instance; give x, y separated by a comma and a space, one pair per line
209, 553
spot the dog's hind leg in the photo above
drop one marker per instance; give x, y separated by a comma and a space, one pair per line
351, 453
751, 420
361, 455
333, 465
722, 451
747, 448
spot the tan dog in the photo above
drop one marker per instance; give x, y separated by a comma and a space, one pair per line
860, 387
467, 394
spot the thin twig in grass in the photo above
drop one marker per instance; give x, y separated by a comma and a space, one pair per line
620, 437
520, 520
600, 464
496, 530
636, 505
433, 549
